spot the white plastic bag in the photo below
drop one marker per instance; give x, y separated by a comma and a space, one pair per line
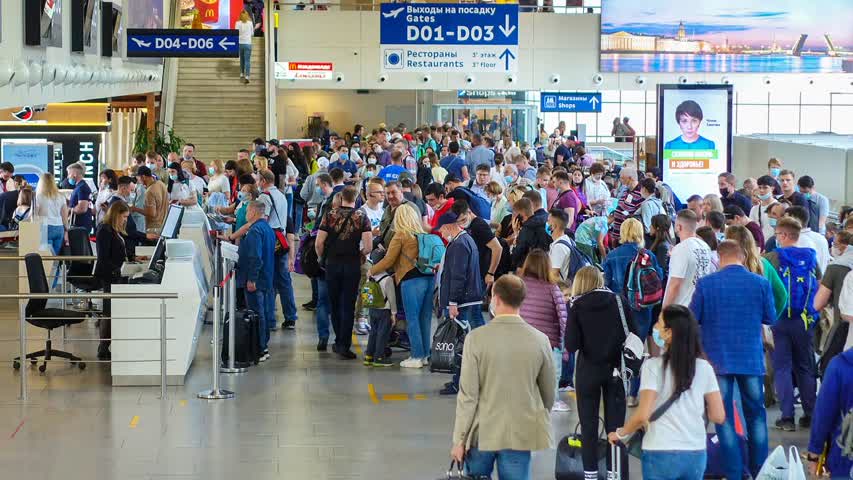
775, 467
796, 471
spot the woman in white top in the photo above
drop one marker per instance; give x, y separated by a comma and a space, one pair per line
107, 186
246, 29
52, 210
597, 193
674, 443
178, 187
218, 180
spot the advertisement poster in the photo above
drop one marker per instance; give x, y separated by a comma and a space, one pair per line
749, 36
31, 158
694, 136
221, 14
144, 14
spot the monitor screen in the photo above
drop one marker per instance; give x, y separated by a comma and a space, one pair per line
30, 157
172, 224
159, 253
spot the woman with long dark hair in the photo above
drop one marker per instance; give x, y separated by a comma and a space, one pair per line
661, 241
677, 389
179, 186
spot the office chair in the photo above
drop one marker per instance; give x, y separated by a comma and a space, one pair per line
40, 316
80, 272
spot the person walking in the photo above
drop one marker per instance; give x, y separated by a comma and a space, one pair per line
594, 330
503, 402
246, 29
677, 389
545, 308
255, 270
834, 403
732, 338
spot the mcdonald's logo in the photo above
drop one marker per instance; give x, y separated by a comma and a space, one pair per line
210, 13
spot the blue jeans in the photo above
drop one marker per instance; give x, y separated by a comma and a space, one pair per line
284, 289
751, 389
55, 238
417, 302
245, 58
643, 322
674, 465
567, 371
512, 464
298, 208
558, 367
257, 301
794, 355
289, 197
321, 314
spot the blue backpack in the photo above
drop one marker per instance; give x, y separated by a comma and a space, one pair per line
797, 269
479, 205
577, 259
430, 252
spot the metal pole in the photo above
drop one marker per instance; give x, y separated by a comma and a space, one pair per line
22, 314
215, 393
64, 271
231, 288
163, 357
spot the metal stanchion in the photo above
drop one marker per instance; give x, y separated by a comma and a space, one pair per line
215, 393
163, 358
64, 272
22, 314
231, 302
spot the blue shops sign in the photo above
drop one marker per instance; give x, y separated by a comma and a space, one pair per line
566, 102
144, 42
471, 37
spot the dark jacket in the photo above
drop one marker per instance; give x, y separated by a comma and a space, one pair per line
594, 328
739, 199
461, 283
257, 256
833, 402
531, 237
112, 253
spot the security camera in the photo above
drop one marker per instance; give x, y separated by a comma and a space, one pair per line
383, 78
555, 78
426, 78
726, 80
339, 77
511, 78
598, 79
766, 80
682, 79
640, 80
811, 81
470, 79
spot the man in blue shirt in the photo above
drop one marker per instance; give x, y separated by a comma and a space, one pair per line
479, 154
454, 164
689, 117
731, 306
392, 172
729, 194
255, 270
81, 198
343, 162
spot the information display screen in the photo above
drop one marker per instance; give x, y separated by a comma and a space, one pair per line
172, 224
694, 136
31, 158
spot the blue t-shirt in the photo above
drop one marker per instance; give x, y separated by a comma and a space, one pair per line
701, 143
347, 166
453, 165
587, 232
82, 192
391, 173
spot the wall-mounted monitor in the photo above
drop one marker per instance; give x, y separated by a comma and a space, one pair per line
694, 136
31, 157
749, 36
43, 23
85, 21
111, 31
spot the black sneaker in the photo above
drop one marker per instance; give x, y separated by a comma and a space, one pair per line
806, 421
383, 362
786, 425
310, 306
346, 355
449, 390
368, 360
289, 325
448, 384
323, 345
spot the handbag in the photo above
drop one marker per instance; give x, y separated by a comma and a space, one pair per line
282, 247
447, 345
632, 350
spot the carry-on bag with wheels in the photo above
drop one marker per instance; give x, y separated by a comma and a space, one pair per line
247, 339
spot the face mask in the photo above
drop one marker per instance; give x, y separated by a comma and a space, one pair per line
657, 338
724, 192
72, 181
371, 160
344, 156
211, 171
548, 228
377, 149
356, 149
807, 196
508, 179
151, 166
369, 174
311, 214
771, 222
174, 178
241, 196
765, 197
775, 172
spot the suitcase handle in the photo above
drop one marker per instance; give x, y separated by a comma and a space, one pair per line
616, 461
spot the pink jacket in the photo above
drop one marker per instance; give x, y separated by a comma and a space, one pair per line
544, 309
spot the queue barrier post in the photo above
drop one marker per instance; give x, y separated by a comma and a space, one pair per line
216, 393
163, 358
22, 317
231, 304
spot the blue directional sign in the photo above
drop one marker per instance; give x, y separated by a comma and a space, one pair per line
470, 37
565, 102
145, 42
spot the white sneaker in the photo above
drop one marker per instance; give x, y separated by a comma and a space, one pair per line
567, 388
425, 361
412, 363
560, 406
242, 76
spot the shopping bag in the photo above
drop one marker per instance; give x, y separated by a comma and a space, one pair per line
796, 470
447, 344
775, 467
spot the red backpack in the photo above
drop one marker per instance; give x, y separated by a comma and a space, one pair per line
643, 283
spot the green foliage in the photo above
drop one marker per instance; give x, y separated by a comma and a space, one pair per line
162, 144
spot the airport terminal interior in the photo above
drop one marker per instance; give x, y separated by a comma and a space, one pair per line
624, 216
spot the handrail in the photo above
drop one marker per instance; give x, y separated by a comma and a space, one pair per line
72, 296
51, 258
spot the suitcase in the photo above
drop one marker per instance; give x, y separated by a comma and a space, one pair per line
247, 340
569, 462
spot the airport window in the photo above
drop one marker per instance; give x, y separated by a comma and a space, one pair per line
842, 119
814, 118
784, 119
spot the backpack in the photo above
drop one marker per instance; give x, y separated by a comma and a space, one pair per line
430, 252
479, 205
643, 284
814, 214
577, 259
797, 269
307, 257
372, 295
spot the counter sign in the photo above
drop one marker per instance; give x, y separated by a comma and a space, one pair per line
470, 37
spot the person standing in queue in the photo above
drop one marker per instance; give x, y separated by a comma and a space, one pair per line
343, 241
112, 253
81, 198
255, 270
502, 409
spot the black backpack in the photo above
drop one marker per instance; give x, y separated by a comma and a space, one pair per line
814, 215
308, 259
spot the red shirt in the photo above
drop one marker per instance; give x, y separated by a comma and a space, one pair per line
438, 213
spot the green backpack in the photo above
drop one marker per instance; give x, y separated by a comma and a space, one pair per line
372, 295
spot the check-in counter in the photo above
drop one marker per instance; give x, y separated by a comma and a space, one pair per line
136, 325
195, 227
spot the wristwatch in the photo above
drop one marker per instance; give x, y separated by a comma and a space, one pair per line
490, 273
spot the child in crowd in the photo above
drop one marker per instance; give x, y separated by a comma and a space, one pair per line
383, 315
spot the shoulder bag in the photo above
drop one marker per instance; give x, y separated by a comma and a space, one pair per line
282, 247
634, 445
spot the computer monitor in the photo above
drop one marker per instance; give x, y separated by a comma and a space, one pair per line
172, 224
159, 253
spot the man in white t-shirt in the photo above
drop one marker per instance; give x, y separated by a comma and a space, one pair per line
759, 214
809, 238
689, 261
560, 252
845, 305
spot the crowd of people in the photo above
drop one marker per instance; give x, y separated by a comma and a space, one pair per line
551, 259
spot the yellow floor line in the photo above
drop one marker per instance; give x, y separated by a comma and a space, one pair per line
357, 345
420, 397
395, 397
134, 421
372, 392
183, 403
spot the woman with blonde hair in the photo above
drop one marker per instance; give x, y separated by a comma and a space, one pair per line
594, 330
218, 181
544, 308
416, 287
246, 30
712, 203
52, 210
112, 253
616, 265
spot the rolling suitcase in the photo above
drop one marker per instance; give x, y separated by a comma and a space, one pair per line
247, 340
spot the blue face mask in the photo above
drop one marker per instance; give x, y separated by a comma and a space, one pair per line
72, 181
241, 196
548, 228
344, 156
775, 172
508, 179
808, 196
174, 178
765, 197
657, 338
771, 222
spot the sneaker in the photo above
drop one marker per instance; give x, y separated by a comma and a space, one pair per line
368, 360
560, 406
289, 325
242, 76
567, 388
449, 390
412, 363
362, 327
632, 402
383, 362
425, 361
310, 306
806, 422
264, 357
274, 327
346, 355
323, 345
786, 425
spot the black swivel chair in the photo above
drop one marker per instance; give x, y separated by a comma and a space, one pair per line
40, 316
80, 272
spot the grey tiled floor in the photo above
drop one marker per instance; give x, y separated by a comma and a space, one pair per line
301, 415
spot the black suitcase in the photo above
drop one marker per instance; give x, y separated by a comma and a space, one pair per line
247, 340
